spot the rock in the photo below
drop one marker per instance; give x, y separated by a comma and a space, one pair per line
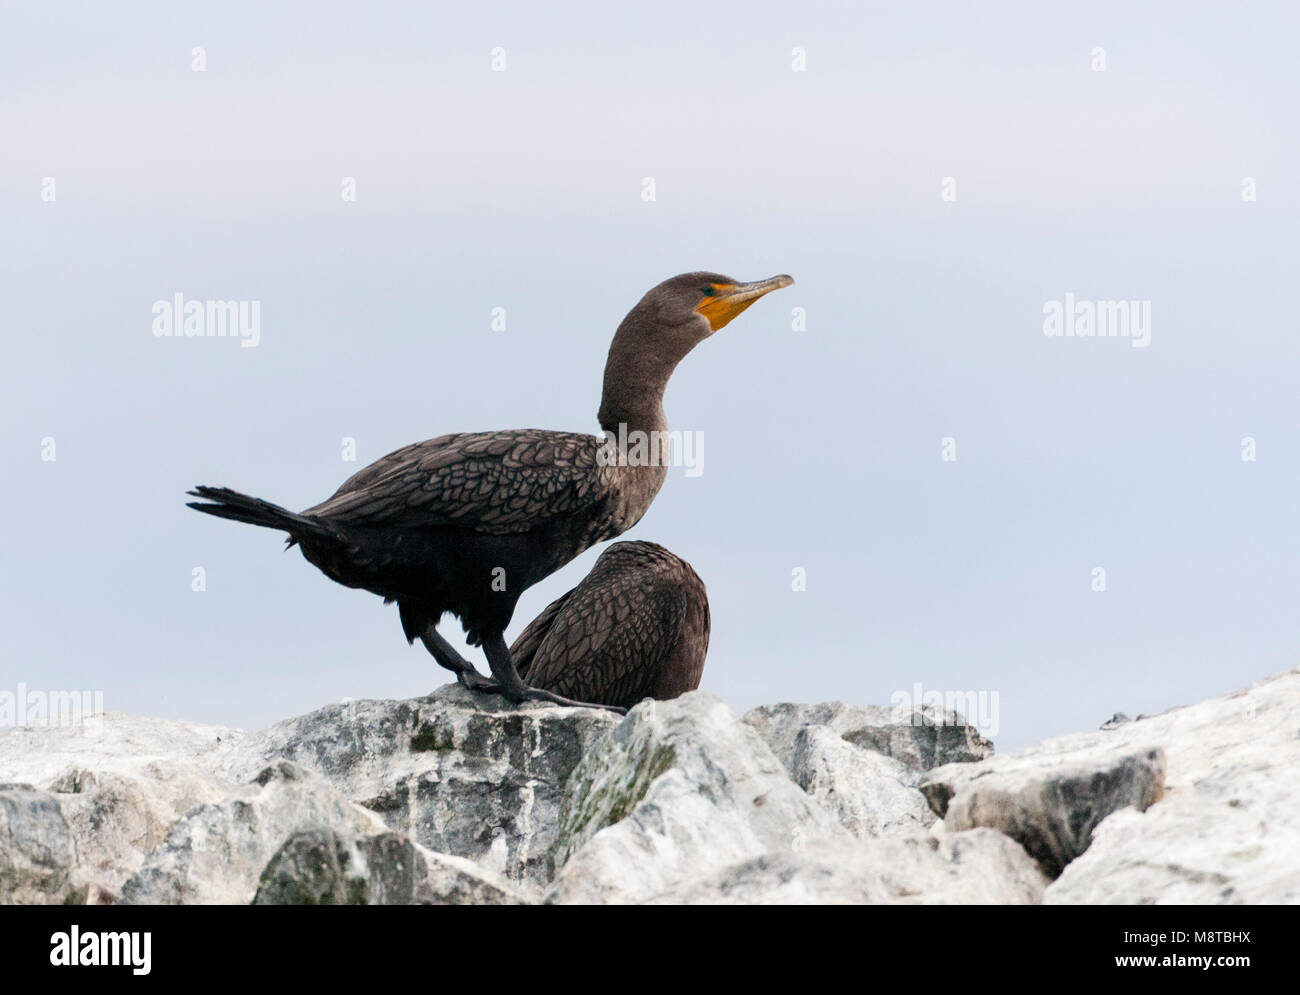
327, 867
129, 744
1049, 807
37, 853
459, 798
919, 737
1192, 806
120, 782
679, 790
1115, 721
869, 793
216, 853
457, 772
1227, 829
862, 763
978, 867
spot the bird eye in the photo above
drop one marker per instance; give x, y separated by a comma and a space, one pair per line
708, 291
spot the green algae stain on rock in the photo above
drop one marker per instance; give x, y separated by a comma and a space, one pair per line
433, 737
608, 795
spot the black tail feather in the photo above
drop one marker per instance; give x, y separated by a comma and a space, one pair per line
242, 508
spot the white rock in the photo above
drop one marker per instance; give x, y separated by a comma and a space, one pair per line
1225, 827
918, 737
216, 853
128, 744
978, 867
679, 790
121, 783
869, 793
378, 802
1050, 805
1226, 831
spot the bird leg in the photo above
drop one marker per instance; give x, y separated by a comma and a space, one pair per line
466, 673
512, 686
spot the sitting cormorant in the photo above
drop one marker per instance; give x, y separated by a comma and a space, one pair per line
636, 627
466, 523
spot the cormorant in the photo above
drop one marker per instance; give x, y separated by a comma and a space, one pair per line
636, 627
466, 523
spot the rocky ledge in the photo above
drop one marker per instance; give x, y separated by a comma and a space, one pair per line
457, 798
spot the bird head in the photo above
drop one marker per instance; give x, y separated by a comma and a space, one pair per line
666, 324
695, 305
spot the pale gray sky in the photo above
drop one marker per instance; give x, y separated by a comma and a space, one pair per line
522, 189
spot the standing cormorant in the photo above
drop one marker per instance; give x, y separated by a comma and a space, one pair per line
466, 523
636, 627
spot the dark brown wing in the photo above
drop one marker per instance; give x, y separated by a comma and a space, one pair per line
608, 639
530, 640
494, 482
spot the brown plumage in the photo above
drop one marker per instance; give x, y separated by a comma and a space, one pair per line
636, 627
466, 523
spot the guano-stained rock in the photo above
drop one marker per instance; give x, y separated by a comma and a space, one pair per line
459, 773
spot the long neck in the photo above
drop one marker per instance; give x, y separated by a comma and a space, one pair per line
640, 362
635, 379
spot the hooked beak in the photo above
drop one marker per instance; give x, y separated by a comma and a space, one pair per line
730, 299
